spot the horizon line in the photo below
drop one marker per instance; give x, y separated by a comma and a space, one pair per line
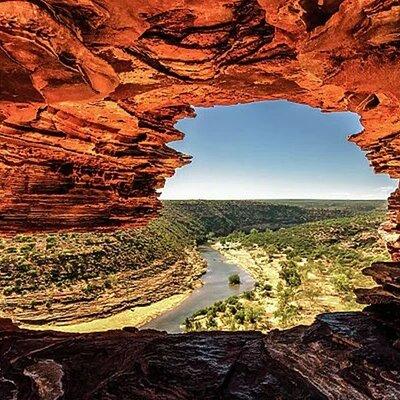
277, 198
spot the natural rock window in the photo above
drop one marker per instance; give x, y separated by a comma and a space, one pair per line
90, 92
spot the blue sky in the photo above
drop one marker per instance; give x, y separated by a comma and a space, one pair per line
273, 150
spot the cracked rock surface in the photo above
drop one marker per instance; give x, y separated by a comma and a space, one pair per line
340, 356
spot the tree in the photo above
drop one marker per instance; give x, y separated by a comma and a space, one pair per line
234, 279
240, 316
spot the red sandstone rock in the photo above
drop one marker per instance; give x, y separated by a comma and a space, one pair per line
90, 92
387, 275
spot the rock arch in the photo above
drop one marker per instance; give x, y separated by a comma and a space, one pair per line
90, 92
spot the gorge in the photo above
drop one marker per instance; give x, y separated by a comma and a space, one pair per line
90, 93
67, 279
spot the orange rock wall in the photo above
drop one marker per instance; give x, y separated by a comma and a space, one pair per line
91, 90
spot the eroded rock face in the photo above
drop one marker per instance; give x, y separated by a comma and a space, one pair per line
89, 95
90, 92
341, 356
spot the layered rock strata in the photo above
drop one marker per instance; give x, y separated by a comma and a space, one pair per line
86, 300
89, 95
387, 291
90, 92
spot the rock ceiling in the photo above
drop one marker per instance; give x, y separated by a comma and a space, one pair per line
91, 90
90, 93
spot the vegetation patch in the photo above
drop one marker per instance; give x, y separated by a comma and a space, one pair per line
234, 279
300, 272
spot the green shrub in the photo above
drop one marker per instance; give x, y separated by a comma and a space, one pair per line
89, 288
234, 279
188, 324
286, 309
289, 273
28, 247
8, 290
212, 312
248, 295
211, 323
240, 316
253, 314
233, 309
286, 313
232, 300
32, 273
342, 283
263, 285
200, 312
23, 267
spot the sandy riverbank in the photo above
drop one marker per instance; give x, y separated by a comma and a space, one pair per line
134, 317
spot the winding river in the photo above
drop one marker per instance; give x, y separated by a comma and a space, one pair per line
215, 288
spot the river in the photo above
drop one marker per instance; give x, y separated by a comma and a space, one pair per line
215, 288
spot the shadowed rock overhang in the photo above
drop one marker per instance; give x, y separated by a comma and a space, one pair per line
91, 90
90, 93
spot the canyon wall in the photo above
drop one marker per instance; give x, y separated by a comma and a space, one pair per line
91, 90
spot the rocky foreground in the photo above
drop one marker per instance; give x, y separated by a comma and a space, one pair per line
340, 356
